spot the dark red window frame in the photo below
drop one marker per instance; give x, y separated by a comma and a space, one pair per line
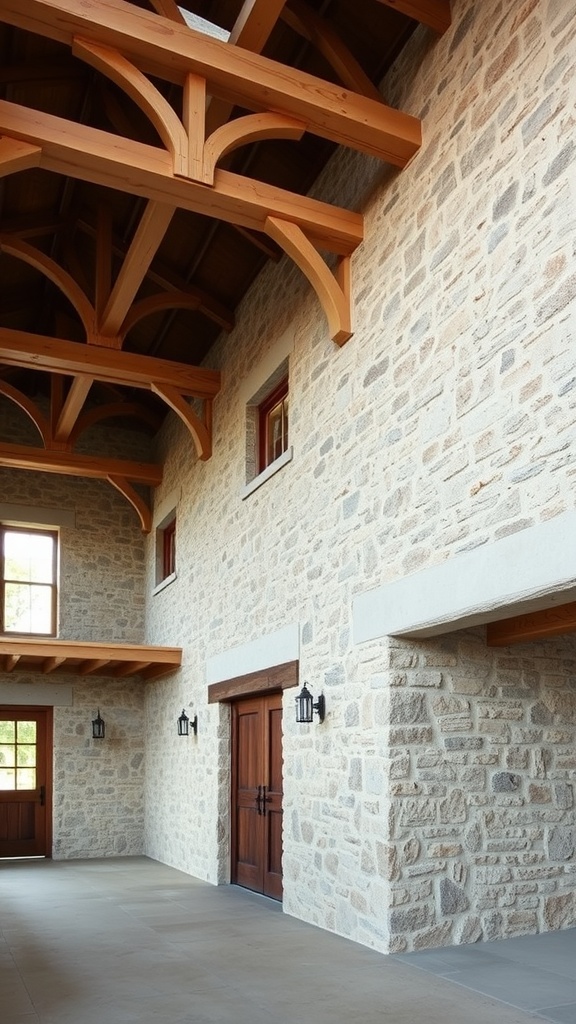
169, 549
266, 449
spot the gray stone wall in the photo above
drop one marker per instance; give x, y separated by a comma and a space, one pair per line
98, 787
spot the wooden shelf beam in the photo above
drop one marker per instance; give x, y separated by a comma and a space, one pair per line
87, 659
172, 52
522, 629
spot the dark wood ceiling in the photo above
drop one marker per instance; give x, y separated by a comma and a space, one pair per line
59, 215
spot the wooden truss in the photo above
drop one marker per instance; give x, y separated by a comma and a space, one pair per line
128, 45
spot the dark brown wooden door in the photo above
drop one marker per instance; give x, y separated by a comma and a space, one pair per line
25, 781
257, 794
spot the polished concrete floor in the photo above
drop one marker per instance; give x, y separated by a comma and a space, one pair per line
130, 940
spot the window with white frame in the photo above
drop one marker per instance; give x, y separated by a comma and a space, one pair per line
28, 581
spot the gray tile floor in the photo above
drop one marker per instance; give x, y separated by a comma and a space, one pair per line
130, 940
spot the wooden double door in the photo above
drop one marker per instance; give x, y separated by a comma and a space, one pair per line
257, 794
25, 781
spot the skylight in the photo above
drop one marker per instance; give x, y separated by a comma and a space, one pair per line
202, 25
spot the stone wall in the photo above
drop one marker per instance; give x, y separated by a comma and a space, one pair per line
98, 787
446, 423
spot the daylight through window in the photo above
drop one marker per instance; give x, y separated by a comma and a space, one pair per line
28, 581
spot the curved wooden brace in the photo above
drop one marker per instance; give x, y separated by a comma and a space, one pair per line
158, 304
30, 408
201, 434
102, 412
334, 294
54, 272
144, 513
250, 128
146, 96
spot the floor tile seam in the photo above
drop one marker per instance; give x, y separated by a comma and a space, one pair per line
533, 1011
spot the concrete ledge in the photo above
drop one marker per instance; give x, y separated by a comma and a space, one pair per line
528, 571
273, 649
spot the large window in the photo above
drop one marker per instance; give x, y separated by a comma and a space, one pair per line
28, 581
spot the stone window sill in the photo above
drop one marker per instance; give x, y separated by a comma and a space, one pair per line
164, 583
265, 475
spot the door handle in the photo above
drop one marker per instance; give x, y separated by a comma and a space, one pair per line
258, 800
265, 800
42, 795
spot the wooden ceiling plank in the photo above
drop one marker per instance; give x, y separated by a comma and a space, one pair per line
306, 22
119, 163
247, 79
18, 456
17, 156
103, 283
148, 237
521, 629
39, 352
433, 13
135, 499
93, 666
52, 664
72, 407
130, 668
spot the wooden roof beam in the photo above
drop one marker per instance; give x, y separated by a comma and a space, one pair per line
92, 155
17, 156
71, 358
172, 52
522, 629
42, 460
433, 13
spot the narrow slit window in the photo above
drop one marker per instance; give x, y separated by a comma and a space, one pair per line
273, 425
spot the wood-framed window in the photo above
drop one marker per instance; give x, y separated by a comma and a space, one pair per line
273, 425
169, 549
28, 581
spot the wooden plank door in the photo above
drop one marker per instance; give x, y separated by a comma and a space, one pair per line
25, 781
257, 794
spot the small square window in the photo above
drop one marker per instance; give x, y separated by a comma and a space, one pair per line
273, 426
28, 581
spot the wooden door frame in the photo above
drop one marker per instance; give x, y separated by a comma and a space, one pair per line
48, 710
254, 684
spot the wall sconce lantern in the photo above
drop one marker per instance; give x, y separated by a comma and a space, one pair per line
305, 706
184, 724
98, 727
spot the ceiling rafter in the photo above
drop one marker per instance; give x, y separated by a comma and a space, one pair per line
247, 79
558, 620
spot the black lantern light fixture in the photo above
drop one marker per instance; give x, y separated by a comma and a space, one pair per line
98, 727
185, 724
305, 706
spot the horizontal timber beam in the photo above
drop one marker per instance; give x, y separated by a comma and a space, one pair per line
522, 629
172, 52
119, 163
19, 456
38, 352
86, 659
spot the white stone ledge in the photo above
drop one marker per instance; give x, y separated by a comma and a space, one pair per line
265, 475
267, 651
528, 571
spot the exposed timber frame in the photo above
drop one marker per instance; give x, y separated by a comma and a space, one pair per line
88, 659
